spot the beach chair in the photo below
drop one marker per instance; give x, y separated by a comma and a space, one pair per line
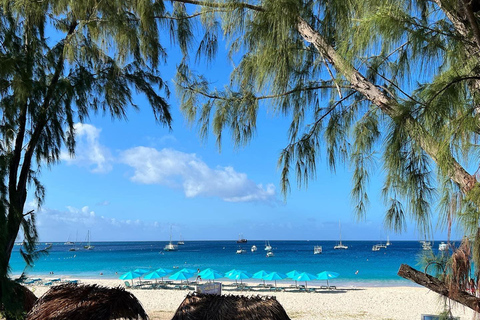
436, 317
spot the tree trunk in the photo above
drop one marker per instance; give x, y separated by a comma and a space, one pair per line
439, 287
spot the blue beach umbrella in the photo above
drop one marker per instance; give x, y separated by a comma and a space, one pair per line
260, 274
181, 276
208, 270
141, 270
275, 276
187, 270
154, 275
305, 276
239, 275
326, 275
163, 270
293, 274
130, 275
211, 275
229, 273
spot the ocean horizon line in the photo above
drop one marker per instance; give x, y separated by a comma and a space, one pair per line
251, 240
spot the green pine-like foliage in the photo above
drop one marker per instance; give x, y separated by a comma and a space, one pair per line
421, 57
61, 62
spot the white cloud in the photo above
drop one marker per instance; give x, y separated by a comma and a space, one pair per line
174, 168
89, 152
73, 224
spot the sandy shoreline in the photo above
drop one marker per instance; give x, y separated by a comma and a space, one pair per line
345, 303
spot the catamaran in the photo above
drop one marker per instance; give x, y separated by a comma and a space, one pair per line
170, 246
340, 245
180, 242
88, 246
268, 247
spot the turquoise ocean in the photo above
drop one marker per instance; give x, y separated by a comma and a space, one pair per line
357, 266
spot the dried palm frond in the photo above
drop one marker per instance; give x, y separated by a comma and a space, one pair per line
93, 302
229, 307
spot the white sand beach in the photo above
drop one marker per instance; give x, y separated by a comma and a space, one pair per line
345, 303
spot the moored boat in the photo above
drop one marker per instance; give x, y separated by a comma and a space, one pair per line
241, 251
317, 249
340, 245
268, 247
241, 239
443, 246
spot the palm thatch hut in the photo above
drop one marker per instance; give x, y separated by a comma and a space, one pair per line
23, 298
29, 298
229, 307
79, 302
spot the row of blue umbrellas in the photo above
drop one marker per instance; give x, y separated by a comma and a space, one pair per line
234, 274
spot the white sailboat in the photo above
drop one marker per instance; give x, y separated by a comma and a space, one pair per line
254, 248
268, 247
388, 241
180, 242
317, 249
340, 245
88, 246
170, 246
74, 248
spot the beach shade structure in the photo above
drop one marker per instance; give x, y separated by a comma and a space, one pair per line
305, 276
239, 275
164, 270
274, 276
205, 271
179, 275
188, 270
326, 275
78, 302
22, 297
154, 275
141, 270
232, 307
130, 275
292, 275
260, 274
211, 275
229, 273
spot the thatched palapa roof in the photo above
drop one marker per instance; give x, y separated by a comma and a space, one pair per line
79, 302
22, 293
229, 307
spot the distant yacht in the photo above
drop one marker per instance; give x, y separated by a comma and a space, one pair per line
388, 241
443, 246
241, 239
254, 248
317, 250
180, 242
426, 245
340, 245
270, 254
88, 246
241, 251
74, 248
170, 246
376, 248
68, 242
268, 247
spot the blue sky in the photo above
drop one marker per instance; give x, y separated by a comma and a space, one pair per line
135, 180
